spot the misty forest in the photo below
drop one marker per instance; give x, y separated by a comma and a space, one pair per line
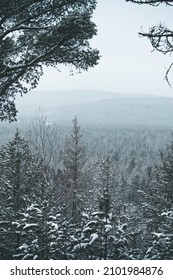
86, 187
84, 175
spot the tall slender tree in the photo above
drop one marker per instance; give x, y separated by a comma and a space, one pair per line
74, 161
16, 186
24, 182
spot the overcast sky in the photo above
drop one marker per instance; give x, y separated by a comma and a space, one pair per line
128, 64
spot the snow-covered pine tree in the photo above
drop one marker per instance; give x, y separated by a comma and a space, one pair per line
16, 190
24, 182
166, 176
66, 239
161, 245
40, 231
95, 238
40, 220
74, 161
106, 180
113, 220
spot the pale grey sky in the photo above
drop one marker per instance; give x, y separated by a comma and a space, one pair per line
128, 64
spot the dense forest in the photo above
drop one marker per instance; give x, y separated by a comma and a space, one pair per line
99, 188
85, 192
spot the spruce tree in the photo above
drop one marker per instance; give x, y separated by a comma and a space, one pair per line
74, 161
16, 187
24, 183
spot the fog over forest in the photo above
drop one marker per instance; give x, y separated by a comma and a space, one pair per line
87, 175
99, 107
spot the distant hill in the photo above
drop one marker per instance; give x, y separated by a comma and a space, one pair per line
99, 107
58, 98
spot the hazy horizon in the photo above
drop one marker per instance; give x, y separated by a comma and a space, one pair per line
128, 63
98, 107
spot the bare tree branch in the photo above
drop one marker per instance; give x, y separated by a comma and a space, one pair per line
161, 37
152, 2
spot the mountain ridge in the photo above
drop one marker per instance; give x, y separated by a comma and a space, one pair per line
102, 108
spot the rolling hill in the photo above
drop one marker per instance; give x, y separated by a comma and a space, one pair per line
99, 107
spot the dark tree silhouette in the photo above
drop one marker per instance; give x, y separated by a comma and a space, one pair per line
160, 36
37, 33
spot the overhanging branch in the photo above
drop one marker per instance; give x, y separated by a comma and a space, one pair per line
151, 2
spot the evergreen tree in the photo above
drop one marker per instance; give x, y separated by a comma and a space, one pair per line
16, 186
24, 182
74, 161
162, 237
35, 34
